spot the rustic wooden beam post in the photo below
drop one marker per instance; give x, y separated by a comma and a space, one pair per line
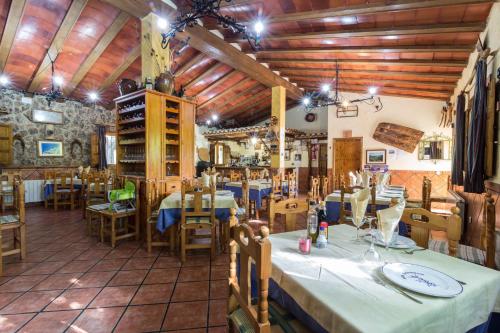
278, 108
154, 58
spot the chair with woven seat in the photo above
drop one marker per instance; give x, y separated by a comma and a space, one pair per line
96, 193
48, 196
156, 191
247, 315
254, 175
235, 176
324, 187
17, 223
288, 209
194, 217
292, 185
7, 189
314, 192
485, 255
277, 187
64, 190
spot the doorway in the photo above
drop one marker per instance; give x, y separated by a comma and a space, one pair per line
347, 156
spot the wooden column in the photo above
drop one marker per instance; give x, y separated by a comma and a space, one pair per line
155, 59
278, 110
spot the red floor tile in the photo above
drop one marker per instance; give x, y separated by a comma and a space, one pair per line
167, 262
6, 298
114, 296
53, 322
58, 281
32, 301
156, 276
153, 293
73, 299
201, 273
108, 265
177, 319
17, 268
190, 291
142, 318
93, 279
101, 320
22, 283
128, 278
219, 289
217, 313
219, 272
138, 263
220, 329
80, 266
11, 323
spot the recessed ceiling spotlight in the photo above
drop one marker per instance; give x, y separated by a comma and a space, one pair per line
58, 80
258, 27
391, 37
215, 117
372, 90
325, 88
4, 80
93, 96
209, 122
348, 20
306, 101
162, 23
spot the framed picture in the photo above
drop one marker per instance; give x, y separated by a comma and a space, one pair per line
48, 117
287, 155
298, 157
50, 148
375, 156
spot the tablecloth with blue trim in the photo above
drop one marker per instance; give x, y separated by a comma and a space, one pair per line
258, 190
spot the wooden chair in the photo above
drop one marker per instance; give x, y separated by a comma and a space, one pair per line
292, 185
288, 209
324, 187
235, 176
121, 224
96, 193
254, 175
242, 214
422, 222
426, 196
195, 218
313, 194
7, 196
485, 255
64, 190
156, 191
48, 177
277, 188
16, 223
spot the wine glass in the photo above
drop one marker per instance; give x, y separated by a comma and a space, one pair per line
386, 228
358, 222
371, 255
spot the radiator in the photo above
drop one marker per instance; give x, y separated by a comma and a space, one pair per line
33, 190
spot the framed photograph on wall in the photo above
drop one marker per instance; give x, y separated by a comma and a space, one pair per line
375, 156
287, 154
48, 117
298, 157
48, 148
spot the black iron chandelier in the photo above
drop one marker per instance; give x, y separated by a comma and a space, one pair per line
319, 99
198, 9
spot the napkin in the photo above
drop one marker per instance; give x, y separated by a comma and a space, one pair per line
366, 176
359, 179
352, 178
389, 218
247, 173
359, 202
205, 179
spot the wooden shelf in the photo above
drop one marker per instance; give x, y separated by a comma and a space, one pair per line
130, 121
133, 161
132, 142
172, 121
171, 131
132, 109
172, 142
172, 110
172, 161
132, 131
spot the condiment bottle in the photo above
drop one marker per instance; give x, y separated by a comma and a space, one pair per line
321, 242
312, 224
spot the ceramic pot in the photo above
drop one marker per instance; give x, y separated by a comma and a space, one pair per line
165, 83
127, 86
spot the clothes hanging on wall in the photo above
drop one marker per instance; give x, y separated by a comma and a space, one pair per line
457, 168
101, 140
475, 175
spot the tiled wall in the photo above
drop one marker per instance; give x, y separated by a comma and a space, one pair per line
412, 180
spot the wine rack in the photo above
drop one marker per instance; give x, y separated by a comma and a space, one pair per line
172, 136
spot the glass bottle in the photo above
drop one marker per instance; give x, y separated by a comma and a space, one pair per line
312, 224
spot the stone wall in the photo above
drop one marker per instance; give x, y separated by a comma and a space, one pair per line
79, 123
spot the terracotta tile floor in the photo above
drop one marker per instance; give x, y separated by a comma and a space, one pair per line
71, 283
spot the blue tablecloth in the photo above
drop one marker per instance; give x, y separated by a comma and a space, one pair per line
49, 189
171, 216
254, 195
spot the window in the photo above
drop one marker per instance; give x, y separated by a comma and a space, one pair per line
111, 149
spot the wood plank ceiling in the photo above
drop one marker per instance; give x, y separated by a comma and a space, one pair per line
405, 48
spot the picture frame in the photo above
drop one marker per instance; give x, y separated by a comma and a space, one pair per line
376, 156
47, 117
298, 157
50, 148
287, 155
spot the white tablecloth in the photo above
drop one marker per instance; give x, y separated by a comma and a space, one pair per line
253, 184
345, 298
382, 198
221, 201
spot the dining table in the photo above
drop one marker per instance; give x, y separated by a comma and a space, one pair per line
334, 289
171, 207
383, 200
48, 188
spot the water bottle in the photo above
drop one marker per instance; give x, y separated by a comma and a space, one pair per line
312, 224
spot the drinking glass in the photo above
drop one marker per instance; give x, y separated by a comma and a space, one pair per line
371, 255
358, 221
386, 228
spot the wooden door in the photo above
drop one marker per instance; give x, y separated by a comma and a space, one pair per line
323, 159
5, 144
347, 156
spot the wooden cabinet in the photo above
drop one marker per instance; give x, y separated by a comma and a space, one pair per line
155, 134
5, 144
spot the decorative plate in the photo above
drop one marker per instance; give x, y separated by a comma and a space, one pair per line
400, 242
422, 279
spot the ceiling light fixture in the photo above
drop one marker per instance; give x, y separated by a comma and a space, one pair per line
253, 140
4, 80
215, 117
199, 9
325, 88
58, 80
162, 23
372, 90
93, 96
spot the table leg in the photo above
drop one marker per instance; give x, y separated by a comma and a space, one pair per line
113, 232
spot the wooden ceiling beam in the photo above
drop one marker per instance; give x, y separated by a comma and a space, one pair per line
370, 49
381, 62
260, 114
248, 104
217, 48
223, 94
321, 72
72, 16
129, 60
98, 50
407, 91
14, 17
383, 93
369, 8
188, 65
235, 97
141, 8
204, 76
319, 80
217, 82
376, 32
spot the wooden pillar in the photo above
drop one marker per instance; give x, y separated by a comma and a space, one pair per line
278, 110
155, 59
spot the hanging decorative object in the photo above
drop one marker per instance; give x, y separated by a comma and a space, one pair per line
350, 111
272, 136
200, 9
76, 147
322, 98
310, 117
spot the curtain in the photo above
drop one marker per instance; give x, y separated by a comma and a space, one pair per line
474, 176
101, 141
457, 168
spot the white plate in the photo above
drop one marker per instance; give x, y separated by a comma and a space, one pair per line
400, 243
421, 279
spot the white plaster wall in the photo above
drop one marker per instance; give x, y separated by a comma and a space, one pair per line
199, 140
421, 114
295, 119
